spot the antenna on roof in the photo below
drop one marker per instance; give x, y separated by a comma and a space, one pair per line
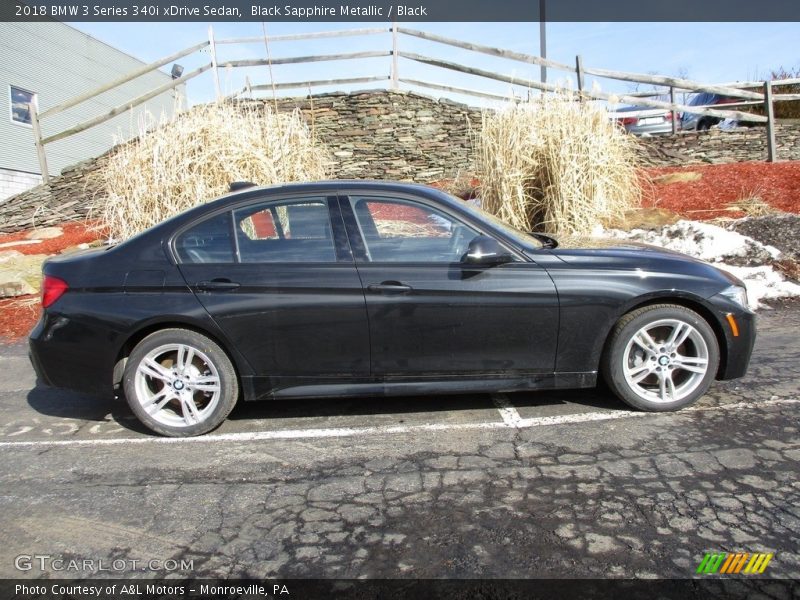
235, 186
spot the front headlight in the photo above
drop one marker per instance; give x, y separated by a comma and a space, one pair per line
737, 294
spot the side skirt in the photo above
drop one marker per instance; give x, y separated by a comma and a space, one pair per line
257, 388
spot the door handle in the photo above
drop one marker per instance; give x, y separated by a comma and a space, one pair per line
217, 285
390, 287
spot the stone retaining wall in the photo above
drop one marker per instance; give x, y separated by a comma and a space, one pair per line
390, 135
716, 146
398, 135
65, 198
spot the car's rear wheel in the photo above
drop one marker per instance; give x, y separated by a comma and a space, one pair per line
661, 357
706, 124
180, 383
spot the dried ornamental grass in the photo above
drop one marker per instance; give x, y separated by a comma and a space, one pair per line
193, 157
556, 164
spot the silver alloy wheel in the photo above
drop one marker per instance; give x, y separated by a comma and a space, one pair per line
665, 361
177, 385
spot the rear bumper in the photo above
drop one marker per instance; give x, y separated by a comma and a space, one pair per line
61, 361
656, 129
41, 374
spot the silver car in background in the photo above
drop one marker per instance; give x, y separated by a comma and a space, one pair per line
645, 121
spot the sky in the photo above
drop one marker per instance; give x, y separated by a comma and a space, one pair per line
706, 52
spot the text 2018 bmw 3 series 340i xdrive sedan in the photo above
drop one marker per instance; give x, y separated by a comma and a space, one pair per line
357, 288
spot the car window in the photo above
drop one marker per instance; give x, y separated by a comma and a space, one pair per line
285, 231
208, 241
397, 230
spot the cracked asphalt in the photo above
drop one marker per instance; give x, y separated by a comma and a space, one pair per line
547, 484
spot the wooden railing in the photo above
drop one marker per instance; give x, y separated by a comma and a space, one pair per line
670, 86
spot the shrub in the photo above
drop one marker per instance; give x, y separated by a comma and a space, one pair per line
556, 164
193, 157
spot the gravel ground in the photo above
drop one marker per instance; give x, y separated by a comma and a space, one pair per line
781, 231
560, 484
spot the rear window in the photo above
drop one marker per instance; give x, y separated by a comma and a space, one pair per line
208, 241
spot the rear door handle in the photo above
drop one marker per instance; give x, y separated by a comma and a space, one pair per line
389, 287
217, 285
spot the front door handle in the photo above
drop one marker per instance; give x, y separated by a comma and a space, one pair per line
389, 287
217, 285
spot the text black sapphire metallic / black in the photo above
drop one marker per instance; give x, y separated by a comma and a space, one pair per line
425, 10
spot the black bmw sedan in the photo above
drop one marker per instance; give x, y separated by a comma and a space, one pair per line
357, 288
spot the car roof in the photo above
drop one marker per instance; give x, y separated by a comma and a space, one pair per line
336, 185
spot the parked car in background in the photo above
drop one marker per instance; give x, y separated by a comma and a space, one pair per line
646, 121
695, 122
366, 288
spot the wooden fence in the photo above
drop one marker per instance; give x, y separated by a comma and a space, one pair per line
670, 86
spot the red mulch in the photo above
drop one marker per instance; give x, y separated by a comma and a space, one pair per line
19, 315
778, 184
74, 234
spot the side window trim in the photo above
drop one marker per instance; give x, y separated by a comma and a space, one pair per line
344, 248
353, 229
237, 254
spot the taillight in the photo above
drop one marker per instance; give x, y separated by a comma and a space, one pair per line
52, 289
630, 120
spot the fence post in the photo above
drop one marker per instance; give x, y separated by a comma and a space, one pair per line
579, 74
214, 70
395, 75
37, 138
542, 39
770, 110
674, 112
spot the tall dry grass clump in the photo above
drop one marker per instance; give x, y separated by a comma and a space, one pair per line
194, 156
556, 164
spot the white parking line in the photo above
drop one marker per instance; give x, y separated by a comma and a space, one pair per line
507, 411
293, 434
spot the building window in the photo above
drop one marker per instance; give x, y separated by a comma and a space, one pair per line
20, 105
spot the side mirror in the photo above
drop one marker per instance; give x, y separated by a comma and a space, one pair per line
486, 251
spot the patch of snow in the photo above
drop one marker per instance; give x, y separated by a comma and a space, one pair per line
763, 283
738, 254
704, 241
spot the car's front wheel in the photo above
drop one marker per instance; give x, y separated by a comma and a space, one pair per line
180, 383
661, 357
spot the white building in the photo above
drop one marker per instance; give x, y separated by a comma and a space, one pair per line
50, 63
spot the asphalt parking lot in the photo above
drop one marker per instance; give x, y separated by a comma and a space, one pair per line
548, 484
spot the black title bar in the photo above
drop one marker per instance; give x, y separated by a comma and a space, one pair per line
401, 10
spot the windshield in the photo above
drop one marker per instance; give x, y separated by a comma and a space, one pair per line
520, 236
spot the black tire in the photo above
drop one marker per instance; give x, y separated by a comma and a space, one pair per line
215, 365
622, 352
706, 124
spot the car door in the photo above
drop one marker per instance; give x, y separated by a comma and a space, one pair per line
278, 277
432, 315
